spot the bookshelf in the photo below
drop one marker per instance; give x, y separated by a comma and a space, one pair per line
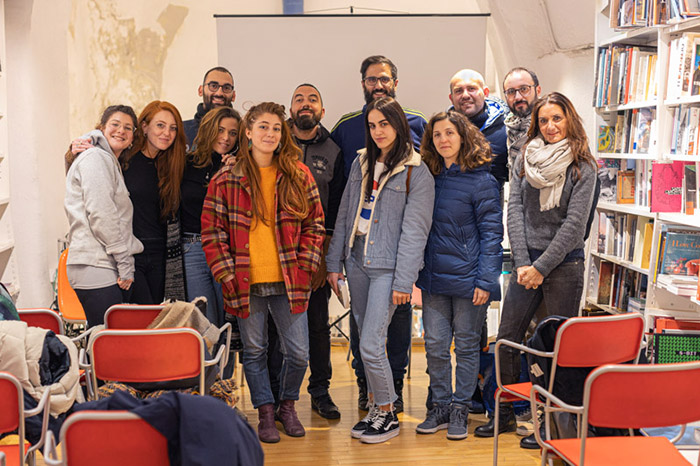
647, 107
8, 267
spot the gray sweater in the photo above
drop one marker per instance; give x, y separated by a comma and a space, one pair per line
558, 231
99, 211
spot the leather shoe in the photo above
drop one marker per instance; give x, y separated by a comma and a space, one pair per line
506, 423
325, 407
529, 443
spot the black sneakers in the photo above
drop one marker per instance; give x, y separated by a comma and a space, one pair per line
384, 426
362, 426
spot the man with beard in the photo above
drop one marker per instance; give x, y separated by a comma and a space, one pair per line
216, 91
379, 79
469, 96
325, 160
521, 89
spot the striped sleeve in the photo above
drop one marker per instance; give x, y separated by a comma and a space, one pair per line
216, 229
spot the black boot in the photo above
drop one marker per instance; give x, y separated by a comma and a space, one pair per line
506, 422
362, 400
398, 388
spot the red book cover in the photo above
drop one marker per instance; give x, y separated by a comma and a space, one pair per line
667, 186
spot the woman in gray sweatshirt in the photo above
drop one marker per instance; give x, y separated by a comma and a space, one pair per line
97, 204
551, 192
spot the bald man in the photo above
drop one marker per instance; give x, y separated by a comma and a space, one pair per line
470, 96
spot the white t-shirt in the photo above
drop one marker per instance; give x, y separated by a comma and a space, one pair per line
368, 205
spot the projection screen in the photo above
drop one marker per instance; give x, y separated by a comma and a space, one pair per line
270, 55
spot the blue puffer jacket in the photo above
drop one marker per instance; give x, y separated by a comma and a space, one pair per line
464, 246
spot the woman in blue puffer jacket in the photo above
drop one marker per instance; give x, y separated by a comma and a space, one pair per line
462, 265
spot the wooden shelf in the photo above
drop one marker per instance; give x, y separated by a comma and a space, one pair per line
618, 155
641, 35
682, 157
605, 307
626, 209
630, 106
684, 25
693, 99
680, 219
620, 262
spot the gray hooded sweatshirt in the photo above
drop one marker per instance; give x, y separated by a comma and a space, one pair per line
99, 211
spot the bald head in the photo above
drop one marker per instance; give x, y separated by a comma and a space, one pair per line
468, 92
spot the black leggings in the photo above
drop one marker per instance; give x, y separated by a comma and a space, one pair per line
96, 302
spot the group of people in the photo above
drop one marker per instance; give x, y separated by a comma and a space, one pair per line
264, 215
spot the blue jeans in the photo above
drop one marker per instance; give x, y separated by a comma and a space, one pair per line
370, 292
200, 282
445, 317
293, 333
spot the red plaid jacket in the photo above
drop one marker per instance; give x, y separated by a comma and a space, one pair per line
226, 221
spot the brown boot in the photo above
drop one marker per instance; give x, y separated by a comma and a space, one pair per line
267, 430
288, 417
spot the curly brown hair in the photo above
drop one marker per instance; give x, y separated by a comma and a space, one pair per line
292, 196
474, 151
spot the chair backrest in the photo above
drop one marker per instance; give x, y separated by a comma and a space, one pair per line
43, 318
646, 395
12, 409
131, 316
147, 355
68, 302
112, 438
594, 341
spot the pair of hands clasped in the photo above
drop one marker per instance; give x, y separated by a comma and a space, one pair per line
529, 277
398, 297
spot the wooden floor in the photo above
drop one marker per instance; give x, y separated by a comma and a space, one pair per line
329, 442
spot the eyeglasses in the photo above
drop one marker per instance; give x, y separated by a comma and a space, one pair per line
115, 125
372, 80
524, 90
213, 86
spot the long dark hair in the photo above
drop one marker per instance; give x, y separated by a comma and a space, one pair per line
575, 134
291, 194
474, 151
401, 149
209, 132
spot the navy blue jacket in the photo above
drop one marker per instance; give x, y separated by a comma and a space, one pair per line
464, 246
349, 133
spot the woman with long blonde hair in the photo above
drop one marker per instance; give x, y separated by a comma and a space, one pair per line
262, 233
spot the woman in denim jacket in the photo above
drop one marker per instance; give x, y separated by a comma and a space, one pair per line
462, 265
381, 230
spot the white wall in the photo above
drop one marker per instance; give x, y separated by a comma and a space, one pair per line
67, 59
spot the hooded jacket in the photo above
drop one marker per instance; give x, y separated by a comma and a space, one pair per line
99, 211
490, 122
464, 247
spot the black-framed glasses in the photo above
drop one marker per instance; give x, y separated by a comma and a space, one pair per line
214, 86
372, 80
524, 90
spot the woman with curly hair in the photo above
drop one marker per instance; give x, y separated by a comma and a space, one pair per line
262, 233
462, 265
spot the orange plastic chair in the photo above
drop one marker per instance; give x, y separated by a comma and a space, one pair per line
42, 318
133, 356
68, 302
12, 416
627, 396
107, 438
580, 342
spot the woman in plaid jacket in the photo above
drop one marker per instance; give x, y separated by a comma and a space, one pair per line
262, 233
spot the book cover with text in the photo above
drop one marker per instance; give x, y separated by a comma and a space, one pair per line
681, 255
666, 186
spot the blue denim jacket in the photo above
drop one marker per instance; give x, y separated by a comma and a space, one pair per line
399, 224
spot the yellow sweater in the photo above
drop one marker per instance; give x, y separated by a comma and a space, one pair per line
265, 266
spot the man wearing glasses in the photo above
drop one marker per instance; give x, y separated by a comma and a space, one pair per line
379, 79
521, 89
469, 96
216, 91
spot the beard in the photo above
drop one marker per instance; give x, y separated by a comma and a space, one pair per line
369, 96
522, 112
306, 122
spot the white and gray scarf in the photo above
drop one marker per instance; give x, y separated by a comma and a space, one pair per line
545, 169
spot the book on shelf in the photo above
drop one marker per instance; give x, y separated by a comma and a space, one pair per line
681, 255
685, 137
681, 65
690, 189
640, 13
607, 174
605, 283
625, 236
617, 285
625, 187
625, 74
678, 287
606, 139
646, 240
666, 186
